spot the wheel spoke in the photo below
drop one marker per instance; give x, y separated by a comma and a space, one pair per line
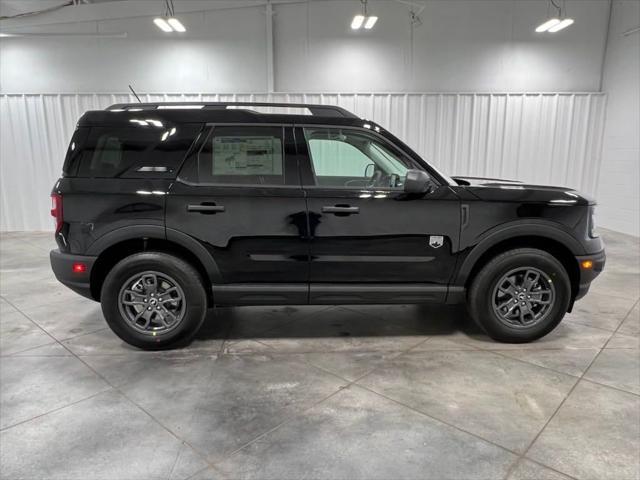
511, 313
160, 315
539, 301
511, 282
548, 292
530, 282
132, 302
150, 282
508, 291
505, 304
170, 290
133, 298
169, 314
146, 318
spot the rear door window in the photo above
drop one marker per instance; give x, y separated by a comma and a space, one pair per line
140, 151
242, 155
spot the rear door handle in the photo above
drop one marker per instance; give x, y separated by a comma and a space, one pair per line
341, 210
206, 208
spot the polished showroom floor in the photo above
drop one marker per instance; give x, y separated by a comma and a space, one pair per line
317, 392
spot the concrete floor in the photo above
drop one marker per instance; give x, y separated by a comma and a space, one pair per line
316, 392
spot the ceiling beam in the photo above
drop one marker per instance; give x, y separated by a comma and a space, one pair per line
95, 12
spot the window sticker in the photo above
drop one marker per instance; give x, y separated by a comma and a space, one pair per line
256, 155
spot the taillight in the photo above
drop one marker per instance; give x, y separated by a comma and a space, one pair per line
593, 233
56, 210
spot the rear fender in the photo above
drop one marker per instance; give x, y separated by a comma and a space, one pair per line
160, 233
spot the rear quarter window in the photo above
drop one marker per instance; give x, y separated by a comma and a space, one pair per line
74, 151
138, 151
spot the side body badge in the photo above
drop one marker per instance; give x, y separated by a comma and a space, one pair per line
436, 241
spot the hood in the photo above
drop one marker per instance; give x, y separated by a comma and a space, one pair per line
497, 189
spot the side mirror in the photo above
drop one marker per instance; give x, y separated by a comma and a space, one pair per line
418, 181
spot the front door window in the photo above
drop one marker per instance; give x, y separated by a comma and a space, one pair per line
345, 158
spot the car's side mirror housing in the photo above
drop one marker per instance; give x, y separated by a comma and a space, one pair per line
418, 181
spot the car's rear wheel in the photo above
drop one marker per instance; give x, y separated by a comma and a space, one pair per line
520, 295
154, 300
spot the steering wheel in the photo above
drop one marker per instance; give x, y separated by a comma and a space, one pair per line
365, 182
377, 180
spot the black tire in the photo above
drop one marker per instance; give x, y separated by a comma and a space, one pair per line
191, 314
484, 287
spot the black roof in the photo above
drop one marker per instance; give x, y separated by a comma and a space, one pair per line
218, 112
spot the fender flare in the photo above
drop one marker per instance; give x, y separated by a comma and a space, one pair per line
161, 233
511, 230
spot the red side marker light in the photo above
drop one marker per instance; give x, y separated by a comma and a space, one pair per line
586, 264
79, 267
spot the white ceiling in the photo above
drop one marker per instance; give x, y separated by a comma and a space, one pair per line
16, 7
98, 10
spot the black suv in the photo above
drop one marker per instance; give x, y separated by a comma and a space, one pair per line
164, 210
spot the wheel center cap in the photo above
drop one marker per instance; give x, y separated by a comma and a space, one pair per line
521, 296
153, 301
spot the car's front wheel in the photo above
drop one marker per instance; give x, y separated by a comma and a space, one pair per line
153, 300
520, 295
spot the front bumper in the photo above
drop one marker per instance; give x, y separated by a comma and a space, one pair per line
79, 281
587, 275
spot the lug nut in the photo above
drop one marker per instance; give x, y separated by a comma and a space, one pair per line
148, 308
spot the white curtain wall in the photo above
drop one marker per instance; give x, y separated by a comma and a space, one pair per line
546, 138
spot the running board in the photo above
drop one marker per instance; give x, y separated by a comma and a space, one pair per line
351, 294
335, 294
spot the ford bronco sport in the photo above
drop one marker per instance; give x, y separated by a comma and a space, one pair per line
164, 210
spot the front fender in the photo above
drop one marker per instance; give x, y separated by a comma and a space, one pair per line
512, 230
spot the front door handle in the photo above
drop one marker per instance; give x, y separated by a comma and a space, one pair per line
206, 208
341, 210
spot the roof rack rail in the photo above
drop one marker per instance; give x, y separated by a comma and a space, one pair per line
316, 110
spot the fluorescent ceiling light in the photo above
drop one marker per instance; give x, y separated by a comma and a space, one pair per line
176, 24
371, 21
162, 24
547, 25
357, 22
563, 24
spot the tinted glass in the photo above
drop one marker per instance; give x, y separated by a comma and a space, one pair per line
74, 151
243, 155
140, 151
353, 159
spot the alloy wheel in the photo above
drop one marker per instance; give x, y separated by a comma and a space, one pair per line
152, 303
523, 297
